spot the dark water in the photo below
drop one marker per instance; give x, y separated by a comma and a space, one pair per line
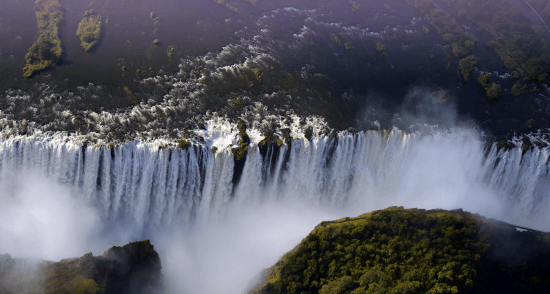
126, 54
128, 32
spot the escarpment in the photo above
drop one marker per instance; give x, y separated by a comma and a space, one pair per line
398, 250
133, 268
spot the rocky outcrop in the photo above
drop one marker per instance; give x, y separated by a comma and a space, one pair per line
133, 268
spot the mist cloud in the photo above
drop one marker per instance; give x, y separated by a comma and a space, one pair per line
39, 218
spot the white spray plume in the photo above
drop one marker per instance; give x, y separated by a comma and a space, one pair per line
213, 241
39, 218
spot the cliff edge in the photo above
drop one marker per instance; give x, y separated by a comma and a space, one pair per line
133, 268
398, 250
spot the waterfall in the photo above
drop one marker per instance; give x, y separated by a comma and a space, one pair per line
145, 184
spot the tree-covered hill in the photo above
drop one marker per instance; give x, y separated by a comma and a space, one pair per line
133, 268
398, 250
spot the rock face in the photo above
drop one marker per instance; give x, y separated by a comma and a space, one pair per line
398, 250
133, 268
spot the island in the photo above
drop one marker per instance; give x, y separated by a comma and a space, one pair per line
46, 51
89, 30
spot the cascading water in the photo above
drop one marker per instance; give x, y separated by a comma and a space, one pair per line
148, 185
214, 233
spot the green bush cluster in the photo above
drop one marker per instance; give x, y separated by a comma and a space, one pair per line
398, 250
258, 74
518, 43
466, 65
170, 52
354, 6
270, 139
518, 89
335, 39
380, 47
494, 90
461, 43
89, 30
241, 151
184, 144
66, 281
387, 251
46, 51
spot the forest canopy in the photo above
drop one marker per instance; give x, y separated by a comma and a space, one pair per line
413, 251
89, 30
46, 51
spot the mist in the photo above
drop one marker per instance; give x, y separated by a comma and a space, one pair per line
226, 255
41, 218
236, 237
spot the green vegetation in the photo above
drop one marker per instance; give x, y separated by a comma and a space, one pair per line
520, 45
445, 25
411, 251
170, 52
184, 144
380, 48
466, 65
270, 139
335, 39
66, 281
247, 79
518, 89
89, 30
46, 51
494, 90
503, 144
258, 74
286, 136
252, 2
440, 95
386, 251
143, 249
241, 151
425, 30
133, 268
354, 6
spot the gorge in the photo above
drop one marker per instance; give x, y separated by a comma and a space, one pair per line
225, 131
191, 195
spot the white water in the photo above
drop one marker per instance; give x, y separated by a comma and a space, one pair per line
214, 236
